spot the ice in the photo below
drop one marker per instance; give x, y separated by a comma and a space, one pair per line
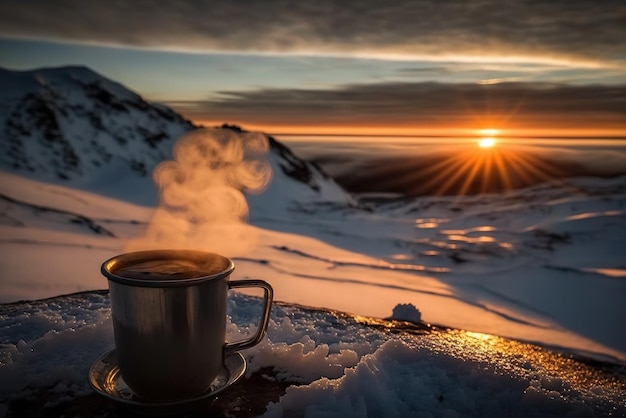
336, 364
51, 343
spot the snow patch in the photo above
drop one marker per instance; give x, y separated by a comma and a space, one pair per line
406, 312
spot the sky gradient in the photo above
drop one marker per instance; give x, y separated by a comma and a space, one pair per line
367, 67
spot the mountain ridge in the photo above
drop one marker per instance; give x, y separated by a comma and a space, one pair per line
71, 126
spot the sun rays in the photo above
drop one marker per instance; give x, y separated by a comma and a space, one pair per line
487, 169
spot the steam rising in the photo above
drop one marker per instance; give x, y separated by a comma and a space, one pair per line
202, 203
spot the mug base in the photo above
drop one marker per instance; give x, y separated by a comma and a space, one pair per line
105, 378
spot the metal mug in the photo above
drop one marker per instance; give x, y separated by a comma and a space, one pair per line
170, 328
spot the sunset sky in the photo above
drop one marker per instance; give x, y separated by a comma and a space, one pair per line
359, 67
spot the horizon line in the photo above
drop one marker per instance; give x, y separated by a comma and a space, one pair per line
455, 136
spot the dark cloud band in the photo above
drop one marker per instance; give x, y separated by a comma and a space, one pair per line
512, 105
587, 29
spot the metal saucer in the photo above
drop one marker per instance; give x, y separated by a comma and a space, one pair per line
106, 379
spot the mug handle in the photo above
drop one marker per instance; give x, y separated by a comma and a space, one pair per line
268, 296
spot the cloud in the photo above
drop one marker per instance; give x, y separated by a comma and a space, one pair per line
429, 104
575, 29
426, 71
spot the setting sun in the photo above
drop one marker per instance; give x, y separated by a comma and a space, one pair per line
486, 142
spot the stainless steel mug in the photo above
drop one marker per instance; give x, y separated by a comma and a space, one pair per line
169, 319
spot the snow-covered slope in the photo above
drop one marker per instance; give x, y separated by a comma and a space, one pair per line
286, 193
74, 127
367, 263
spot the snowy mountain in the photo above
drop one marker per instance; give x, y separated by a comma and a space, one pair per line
72, 124
539, 265
74, 127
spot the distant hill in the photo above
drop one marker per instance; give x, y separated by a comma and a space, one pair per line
74, 127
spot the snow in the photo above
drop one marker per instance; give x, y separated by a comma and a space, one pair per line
337, 365
507, 290
541, 265
372, 264
406, 312
283, 194
74, 127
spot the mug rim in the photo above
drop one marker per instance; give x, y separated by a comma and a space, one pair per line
163, 254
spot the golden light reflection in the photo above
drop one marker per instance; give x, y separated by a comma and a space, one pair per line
477, 240
427, 225
479, 335
485, 228
607, 271
401, 257
555, 368
392, 325
545, 372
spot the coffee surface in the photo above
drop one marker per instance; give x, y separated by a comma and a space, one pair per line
171, 269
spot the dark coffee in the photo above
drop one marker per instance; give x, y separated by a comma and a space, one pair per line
171, 268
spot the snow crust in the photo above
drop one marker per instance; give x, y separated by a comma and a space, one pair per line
337, 365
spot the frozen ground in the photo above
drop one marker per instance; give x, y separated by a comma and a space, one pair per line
331, 364
542, 265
